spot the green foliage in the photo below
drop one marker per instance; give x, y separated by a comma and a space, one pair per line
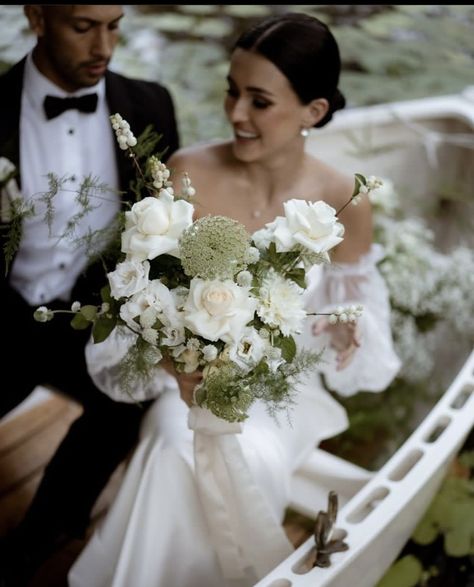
406, 572
379, 423
19, 210
146, 146
451, 514
445, 533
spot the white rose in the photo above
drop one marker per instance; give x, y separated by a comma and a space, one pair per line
154, 225
218, 309
129, 277
313, 225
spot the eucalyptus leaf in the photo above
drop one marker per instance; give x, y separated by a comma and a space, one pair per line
103, 326
88, 312
287, 346
79, 322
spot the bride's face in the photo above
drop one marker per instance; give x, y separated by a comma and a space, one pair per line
265, 112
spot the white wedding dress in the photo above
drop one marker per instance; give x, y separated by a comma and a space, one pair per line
202, 500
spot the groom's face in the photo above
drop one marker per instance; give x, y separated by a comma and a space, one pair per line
75, 42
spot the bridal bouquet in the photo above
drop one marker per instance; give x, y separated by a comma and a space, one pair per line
206, 295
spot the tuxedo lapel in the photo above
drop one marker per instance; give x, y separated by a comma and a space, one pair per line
119, 101
11, 85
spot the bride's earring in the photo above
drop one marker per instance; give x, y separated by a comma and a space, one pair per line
304, 132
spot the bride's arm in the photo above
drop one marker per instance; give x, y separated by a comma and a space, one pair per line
104, 364
358, 356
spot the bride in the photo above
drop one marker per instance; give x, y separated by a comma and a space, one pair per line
168, 527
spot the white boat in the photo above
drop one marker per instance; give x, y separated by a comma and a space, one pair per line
420, 145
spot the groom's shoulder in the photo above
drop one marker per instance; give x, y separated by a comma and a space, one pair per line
135, 86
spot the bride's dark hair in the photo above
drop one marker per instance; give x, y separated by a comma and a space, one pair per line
305, 51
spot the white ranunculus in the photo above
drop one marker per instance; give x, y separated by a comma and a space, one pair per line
129, 277
248, 351
218, 310
281, 303
154, 225
313, 225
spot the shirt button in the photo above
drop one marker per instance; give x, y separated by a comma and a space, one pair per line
62, 266
71, 131
73, 178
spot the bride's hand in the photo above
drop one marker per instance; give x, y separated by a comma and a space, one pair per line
345, 339
186, 381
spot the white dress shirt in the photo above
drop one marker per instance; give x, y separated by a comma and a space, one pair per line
73, 145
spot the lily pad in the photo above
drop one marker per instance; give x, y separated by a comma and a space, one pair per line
406, 572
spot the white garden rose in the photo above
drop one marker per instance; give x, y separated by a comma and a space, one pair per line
154, 225
313, 225
218, 310
129, 277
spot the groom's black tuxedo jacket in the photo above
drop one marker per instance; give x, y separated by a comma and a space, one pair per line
139, 102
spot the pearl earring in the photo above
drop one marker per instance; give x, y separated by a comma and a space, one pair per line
304, 132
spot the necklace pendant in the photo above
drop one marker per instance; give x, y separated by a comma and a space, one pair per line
256, 213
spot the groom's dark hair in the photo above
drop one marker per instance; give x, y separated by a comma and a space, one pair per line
305, 51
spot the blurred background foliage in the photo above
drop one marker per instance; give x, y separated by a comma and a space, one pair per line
389, 52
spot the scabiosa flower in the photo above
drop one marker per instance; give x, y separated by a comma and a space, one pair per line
214, 247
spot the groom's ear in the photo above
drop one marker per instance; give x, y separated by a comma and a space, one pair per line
316, 110
34, 14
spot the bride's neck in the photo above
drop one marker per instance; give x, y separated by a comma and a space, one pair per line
278, 174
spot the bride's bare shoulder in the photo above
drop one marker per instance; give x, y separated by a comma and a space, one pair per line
200, 158
335, 186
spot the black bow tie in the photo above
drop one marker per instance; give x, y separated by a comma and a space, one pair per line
54, 106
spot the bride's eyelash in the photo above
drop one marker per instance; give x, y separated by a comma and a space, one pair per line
257, 102
260, 103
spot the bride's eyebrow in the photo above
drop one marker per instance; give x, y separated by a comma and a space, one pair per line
255, 89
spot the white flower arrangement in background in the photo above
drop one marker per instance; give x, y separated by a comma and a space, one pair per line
430, 291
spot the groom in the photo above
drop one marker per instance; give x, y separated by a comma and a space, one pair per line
54, 118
